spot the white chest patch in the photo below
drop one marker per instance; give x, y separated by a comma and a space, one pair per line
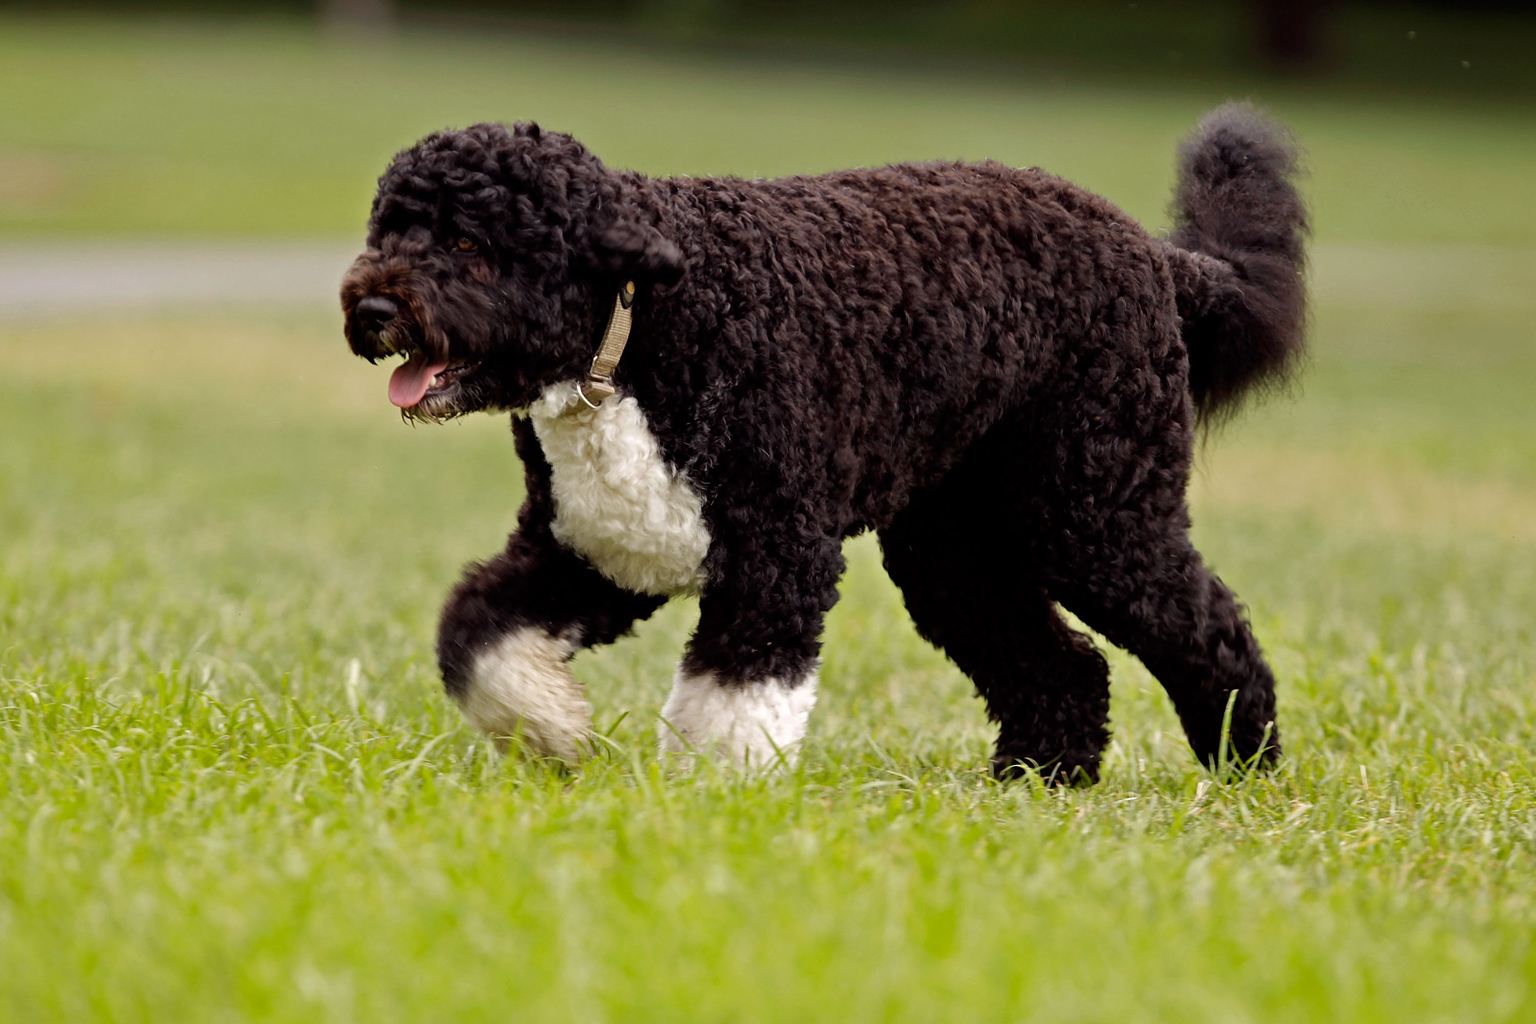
617, 503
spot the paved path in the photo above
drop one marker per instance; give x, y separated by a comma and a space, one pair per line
51, 279
54, 278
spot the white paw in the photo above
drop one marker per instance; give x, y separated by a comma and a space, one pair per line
522, 687
753, 726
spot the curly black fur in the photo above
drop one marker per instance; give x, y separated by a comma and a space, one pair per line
994, 369
1244, 309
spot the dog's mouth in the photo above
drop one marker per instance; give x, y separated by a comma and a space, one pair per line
419, 376
427, 388
423, 383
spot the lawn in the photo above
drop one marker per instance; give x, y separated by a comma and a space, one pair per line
232, 789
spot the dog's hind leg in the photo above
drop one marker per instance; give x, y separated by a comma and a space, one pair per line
1157, 599
1115, 551
1045, 684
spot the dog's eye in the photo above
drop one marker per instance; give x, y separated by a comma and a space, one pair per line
465, 244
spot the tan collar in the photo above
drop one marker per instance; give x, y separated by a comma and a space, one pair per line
598, 385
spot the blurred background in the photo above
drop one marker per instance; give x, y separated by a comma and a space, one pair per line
271, 120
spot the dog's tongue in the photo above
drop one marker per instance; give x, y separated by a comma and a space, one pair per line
411, 380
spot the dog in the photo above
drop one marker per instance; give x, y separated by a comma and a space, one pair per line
713, 382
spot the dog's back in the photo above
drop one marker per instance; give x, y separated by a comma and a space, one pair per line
897, 314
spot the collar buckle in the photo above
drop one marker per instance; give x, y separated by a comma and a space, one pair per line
598, 385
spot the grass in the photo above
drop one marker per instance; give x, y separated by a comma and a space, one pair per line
231, 787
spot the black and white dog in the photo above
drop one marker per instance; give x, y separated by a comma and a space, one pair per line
713, 382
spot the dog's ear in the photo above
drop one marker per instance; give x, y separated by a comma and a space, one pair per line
635, 251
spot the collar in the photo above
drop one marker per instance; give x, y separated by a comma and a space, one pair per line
598, 385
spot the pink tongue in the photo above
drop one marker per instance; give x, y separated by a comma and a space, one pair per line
411, 379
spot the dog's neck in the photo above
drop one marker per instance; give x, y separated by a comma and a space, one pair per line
598, 384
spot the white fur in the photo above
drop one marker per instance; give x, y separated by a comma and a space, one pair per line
523, 687
617, 502
750, 725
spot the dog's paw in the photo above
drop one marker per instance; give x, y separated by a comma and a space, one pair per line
1063, 771
754, 727
521, 691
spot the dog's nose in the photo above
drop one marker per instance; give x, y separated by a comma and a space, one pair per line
373, 312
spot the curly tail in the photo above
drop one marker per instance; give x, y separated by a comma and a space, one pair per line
1239, 228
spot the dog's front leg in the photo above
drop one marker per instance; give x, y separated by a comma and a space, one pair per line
746, 686
509, 631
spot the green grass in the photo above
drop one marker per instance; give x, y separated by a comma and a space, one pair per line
232, 790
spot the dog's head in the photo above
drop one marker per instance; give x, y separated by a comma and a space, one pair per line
492, 260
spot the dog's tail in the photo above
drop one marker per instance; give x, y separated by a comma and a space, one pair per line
1239, 226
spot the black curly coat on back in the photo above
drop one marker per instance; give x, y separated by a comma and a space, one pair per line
996, 370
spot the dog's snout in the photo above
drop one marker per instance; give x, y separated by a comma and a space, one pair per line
374, 312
